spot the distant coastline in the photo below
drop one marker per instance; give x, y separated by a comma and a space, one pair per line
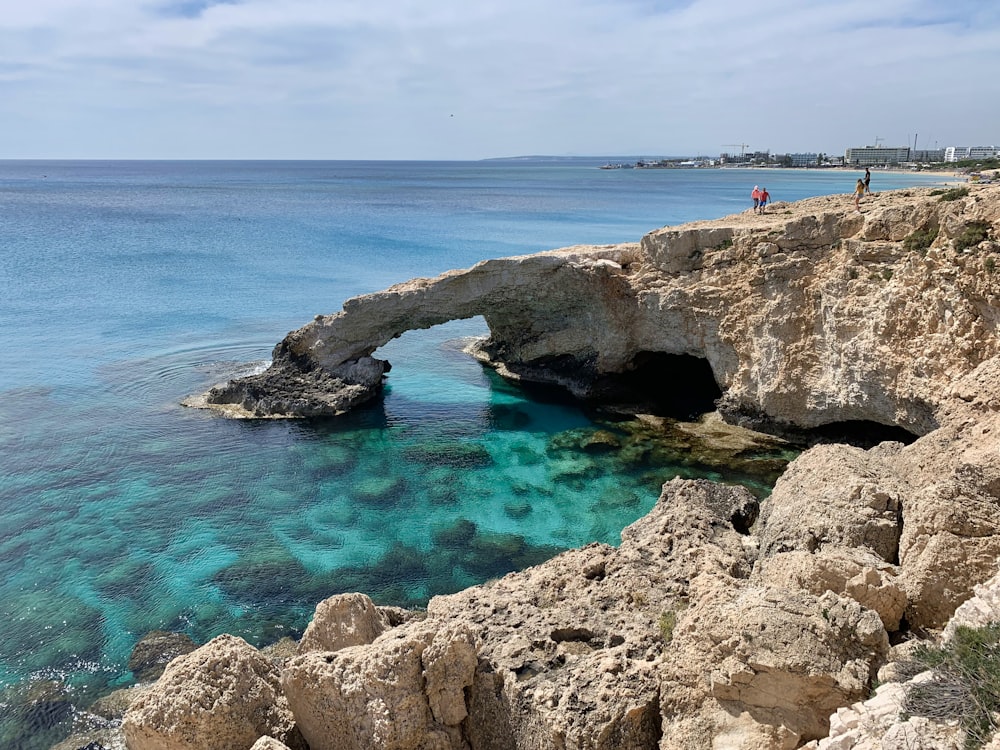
698, 162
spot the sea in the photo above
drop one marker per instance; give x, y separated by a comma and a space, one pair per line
128, 286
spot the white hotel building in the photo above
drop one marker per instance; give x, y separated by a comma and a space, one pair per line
960, 153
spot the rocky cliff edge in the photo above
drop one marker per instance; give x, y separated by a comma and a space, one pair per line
703, 629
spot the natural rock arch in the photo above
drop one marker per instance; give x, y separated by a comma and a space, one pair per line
809, 316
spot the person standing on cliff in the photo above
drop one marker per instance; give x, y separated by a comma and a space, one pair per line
755, 194
868, 179
859, 190
764, 198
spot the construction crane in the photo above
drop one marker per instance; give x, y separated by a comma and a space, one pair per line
743, 147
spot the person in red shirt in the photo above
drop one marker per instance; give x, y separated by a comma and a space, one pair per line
764, 198
755, 194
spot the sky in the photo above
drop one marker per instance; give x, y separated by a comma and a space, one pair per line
473, 79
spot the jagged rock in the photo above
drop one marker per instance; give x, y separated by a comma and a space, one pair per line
341, 621
856, 573
836, 495
224, 695
285, 389
785, 658
155, 650
877, 724
932, 506
951, 531
982, 609
269, 743
404, 691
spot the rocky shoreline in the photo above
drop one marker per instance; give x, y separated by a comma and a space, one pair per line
718, 621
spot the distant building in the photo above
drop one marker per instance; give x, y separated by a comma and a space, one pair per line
803, 160
928, 155
961, 153
876, 156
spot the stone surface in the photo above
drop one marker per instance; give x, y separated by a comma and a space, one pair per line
982, 609
341, 621
224, 695
854, 572
836, 495
879, 724
269, 743
403, 692
155, 650
785, 658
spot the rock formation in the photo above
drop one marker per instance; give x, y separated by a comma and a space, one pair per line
154, 651
882, 722
807, 316
224, 695
406, 690
341, 621
705, 628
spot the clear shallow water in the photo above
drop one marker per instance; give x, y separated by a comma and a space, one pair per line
128, 286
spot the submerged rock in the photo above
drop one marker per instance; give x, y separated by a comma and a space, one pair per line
155, 650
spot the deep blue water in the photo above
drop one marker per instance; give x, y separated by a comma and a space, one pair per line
127, 286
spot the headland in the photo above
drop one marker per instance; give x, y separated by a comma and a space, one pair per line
719, 621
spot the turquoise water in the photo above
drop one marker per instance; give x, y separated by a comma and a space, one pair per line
128, 286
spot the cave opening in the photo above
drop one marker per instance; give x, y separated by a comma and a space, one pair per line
860, 433
679, 386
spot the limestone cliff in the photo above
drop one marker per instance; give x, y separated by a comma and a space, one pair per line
697, 632
811, 314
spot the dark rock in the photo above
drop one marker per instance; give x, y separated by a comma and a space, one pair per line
155, 650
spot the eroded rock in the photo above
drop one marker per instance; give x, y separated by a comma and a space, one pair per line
403, 692
341, 621
224, 695
854, 572
785, 658
836, 495
155, 650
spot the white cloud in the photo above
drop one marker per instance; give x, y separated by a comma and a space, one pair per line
450, 79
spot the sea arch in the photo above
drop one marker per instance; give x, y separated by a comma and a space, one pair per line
569, 317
